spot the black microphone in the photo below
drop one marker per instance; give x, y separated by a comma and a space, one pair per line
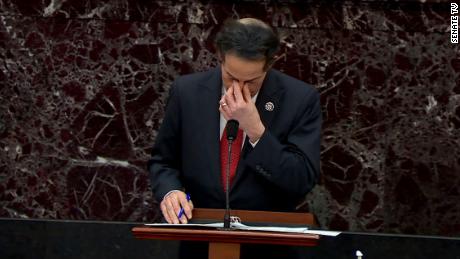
232, 131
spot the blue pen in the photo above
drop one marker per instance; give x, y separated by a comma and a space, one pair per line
181, 212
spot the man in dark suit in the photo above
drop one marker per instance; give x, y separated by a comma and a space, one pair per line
277, 149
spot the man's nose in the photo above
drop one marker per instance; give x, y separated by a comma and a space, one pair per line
238, 83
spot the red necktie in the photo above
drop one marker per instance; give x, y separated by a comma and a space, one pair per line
235, 156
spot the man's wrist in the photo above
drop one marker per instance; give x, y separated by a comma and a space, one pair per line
166, 195
257, 134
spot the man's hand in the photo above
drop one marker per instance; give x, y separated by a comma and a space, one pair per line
237, 104
171, 205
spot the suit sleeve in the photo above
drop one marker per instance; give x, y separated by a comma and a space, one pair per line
292, 165
164, 166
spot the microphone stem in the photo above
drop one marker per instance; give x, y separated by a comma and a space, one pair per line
227, 186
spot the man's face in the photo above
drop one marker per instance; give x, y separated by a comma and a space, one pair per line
244, 72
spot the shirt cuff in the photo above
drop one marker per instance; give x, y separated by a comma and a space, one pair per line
252, 144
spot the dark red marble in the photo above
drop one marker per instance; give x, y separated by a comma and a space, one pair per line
84, 85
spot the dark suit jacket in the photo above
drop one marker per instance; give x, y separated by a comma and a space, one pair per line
275, 175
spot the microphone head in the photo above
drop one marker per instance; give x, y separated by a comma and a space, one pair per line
232, 129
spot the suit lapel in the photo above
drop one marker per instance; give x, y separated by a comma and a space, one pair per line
210, 134
269, 97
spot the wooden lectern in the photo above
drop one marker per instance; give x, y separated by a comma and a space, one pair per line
225, 244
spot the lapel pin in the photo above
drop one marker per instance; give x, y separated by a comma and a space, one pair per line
269, 106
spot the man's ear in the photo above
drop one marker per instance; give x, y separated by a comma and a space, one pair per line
273, 61
220, 57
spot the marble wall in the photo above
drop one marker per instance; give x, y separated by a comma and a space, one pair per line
84, 84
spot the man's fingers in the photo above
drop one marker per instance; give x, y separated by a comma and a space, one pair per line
230, 103
224, 106
229, 98
237, 92
171, 211
247, 93
176, 202
222, 99
186, 206
229, 90
226, 101
164, 210
181, 216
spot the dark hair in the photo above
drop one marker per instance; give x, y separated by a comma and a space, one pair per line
251, 39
